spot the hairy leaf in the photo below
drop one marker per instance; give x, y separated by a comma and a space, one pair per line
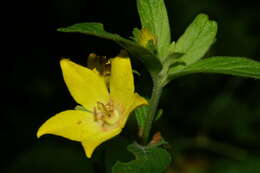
236, 66
148, 160
196, 40
153, 15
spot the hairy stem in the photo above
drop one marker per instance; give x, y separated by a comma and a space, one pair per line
153, 105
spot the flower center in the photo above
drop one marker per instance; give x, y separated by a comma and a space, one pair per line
105, 114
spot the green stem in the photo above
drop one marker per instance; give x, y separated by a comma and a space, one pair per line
153, 104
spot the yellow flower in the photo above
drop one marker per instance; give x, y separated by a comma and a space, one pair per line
146, 36
107, 108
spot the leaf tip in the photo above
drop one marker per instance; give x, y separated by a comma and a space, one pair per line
62, 29
203, 16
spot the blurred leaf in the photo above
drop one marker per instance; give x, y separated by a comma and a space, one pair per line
154, 17
96, 29
236, 66
189, 164
251, 165
136, 72
196, 40
159, 114
148, 160
219, 118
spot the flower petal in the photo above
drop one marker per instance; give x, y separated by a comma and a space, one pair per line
136, 101
71, 124
91, 142
85, 86
79, 126
121, 80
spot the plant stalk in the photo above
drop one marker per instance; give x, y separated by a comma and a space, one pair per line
153, 105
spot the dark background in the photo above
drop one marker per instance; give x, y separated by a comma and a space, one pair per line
211, 121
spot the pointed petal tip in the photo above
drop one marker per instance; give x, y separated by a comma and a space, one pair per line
91, 144
39, 133
144, 102
88, 148
141, 100
89, 154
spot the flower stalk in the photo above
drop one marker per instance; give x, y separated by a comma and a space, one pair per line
153, 105
159, 81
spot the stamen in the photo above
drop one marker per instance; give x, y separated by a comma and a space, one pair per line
105, 114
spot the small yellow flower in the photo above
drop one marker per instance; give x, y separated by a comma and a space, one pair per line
145, 37
108, 107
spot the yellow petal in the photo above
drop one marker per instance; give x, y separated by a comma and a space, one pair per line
85, 86
136, 101
91, 142
71, 124
121, 80
78, 126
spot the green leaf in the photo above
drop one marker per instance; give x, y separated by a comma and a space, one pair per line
140, 114
96, 29
154, 17
171, 48
197, 39
236, 66
148, 160
173, 59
